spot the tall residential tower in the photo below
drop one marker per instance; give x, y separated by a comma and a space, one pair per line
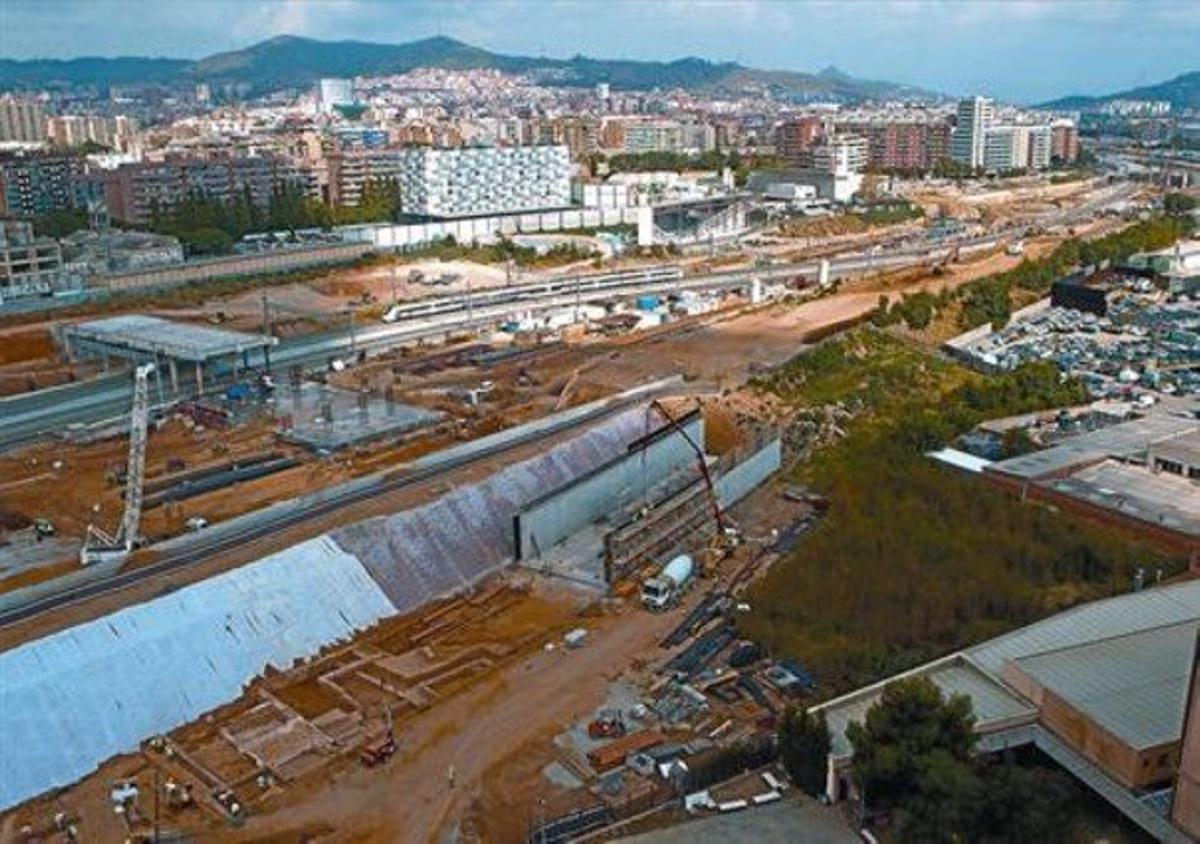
967, 143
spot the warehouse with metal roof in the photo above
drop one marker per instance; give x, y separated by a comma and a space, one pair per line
1101, 688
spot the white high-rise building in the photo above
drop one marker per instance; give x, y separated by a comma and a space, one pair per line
1017, 147
474, 181
841, 155
1005, 148
967, 144
334, 92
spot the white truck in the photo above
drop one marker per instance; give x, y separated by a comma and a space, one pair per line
664, 589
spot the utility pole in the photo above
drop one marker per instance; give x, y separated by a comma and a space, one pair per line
157, 788
470, 305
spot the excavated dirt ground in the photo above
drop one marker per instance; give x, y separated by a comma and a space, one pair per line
716, 352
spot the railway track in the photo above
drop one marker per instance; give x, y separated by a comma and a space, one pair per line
257, 527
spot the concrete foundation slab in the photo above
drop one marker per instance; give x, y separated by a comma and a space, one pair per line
326, 418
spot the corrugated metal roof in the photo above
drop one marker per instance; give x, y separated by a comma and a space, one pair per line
1156, 607
1135, 686
995, 701
960, 459
75, 698
177, 339
1118, 440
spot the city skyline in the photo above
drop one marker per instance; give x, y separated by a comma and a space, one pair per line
1087, 47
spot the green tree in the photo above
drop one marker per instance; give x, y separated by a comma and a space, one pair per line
1022, 804
206, 241
913, 756
804, 745
60, 223
1178, 203
911, 732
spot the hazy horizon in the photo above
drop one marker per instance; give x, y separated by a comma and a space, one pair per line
1022, 51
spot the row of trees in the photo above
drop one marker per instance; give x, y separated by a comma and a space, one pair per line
990, 299
643, 162
210, 226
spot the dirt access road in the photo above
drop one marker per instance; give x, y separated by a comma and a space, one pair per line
411, 799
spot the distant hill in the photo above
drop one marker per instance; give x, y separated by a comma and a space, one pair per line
1182, 92
287, 61
47, 73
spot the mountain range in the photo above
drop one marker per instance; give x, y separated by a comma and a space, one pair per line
288, 62
1182, 92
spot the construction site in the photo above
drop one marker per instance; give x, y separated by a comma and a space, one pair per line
495, 568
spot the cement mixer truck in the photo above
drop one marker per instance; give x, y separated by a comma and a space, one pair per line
663, 590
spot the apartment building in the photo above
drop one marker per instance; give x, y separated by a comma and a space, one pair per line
135, 191
35, 183
351, 170
116, 133
1017, 147
794, 138
21, 121
907, 143
579, 134
653, 136
475, 181
1064, 142
840, 154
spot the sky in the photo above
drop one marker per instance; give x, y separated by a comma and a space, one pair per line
1017, 50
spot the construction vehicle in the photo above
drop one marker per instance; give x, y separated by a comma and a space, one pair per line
101, 547
664, 589
379, 750
43, 528
608, 723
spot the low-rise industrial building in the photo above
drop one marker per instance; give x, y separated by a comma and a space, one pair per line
1102, 689
1141, 472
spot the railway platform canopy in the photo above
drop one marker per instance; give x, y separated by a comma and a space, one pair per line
146, 339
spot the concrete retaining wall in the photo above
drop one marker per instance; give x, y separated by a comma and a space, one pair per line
745, 477
622, 481
485, 229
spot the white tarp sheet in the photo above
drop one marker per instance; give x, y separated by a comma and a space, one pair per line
71, 700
